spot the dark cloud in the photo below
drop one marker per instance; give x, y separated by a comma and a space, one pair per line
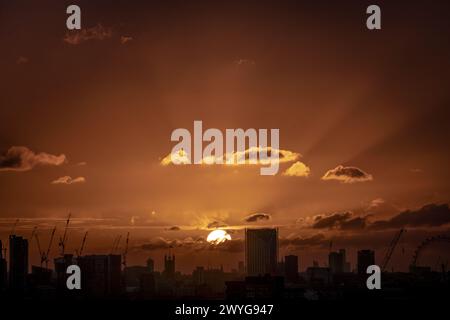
216, 224
431, 215
331, 221
162, 243
353, 224
198, 244
315, 240
233, 246
340, 220
257, 217
174, 228
23, 159
347, 174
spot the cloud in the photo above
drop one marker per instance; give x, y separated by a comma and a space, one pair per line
298, 169
347, 174
160, 243
340, 220
197, 244
125, 39
22, 60
331, 221
68, 180
216, 224
353, 224
257, 217
244, 62
19, 158
431, 215
98, 32
174, 228
315, 240
284, 156
232, 246
376, 203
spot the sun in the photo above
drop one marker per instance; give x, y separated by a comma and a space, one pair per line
218, 236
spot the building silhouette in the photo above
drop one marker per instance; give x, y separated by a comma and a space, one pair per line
102, 274
241, 267
169, 266
61, 265
261, 251
365, 258
147, 285
291, 268
3, 269
337, 262
136, 277
150, 265
18, 262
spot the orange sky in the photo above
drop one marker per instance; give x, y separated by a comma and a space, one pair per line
373, 102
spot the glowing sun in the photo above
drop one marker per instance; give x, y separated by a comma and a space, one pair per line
218, 236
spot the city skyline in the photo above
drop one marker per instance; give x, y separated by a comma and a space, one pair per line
87, 116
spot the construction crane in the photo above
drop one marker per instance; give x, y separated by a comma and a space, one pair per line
80, 251
125, 252
62, 241
5, 249
47, 253
34, 234
391, 248
116, 244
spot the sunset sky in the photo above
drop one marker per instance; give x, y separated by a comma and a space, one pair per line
86, 118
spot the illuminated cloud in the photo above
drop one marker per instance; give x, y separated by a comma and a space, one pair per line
23, 159
376, 203
298, 169
257, 217
99, 32
125, 39
69, 180
284, 156
244, 62
347, 174
180, 157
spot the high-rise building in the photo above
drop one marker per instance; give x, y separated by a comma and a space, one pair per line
61, 265
18, 262
3, 269
365, 258
101, 274
169, 266
291, 268
241, 267
261, 251
198, 276
150, 265
336, 261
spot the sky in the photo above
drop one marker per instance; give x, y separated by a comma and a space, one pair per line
87, 116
